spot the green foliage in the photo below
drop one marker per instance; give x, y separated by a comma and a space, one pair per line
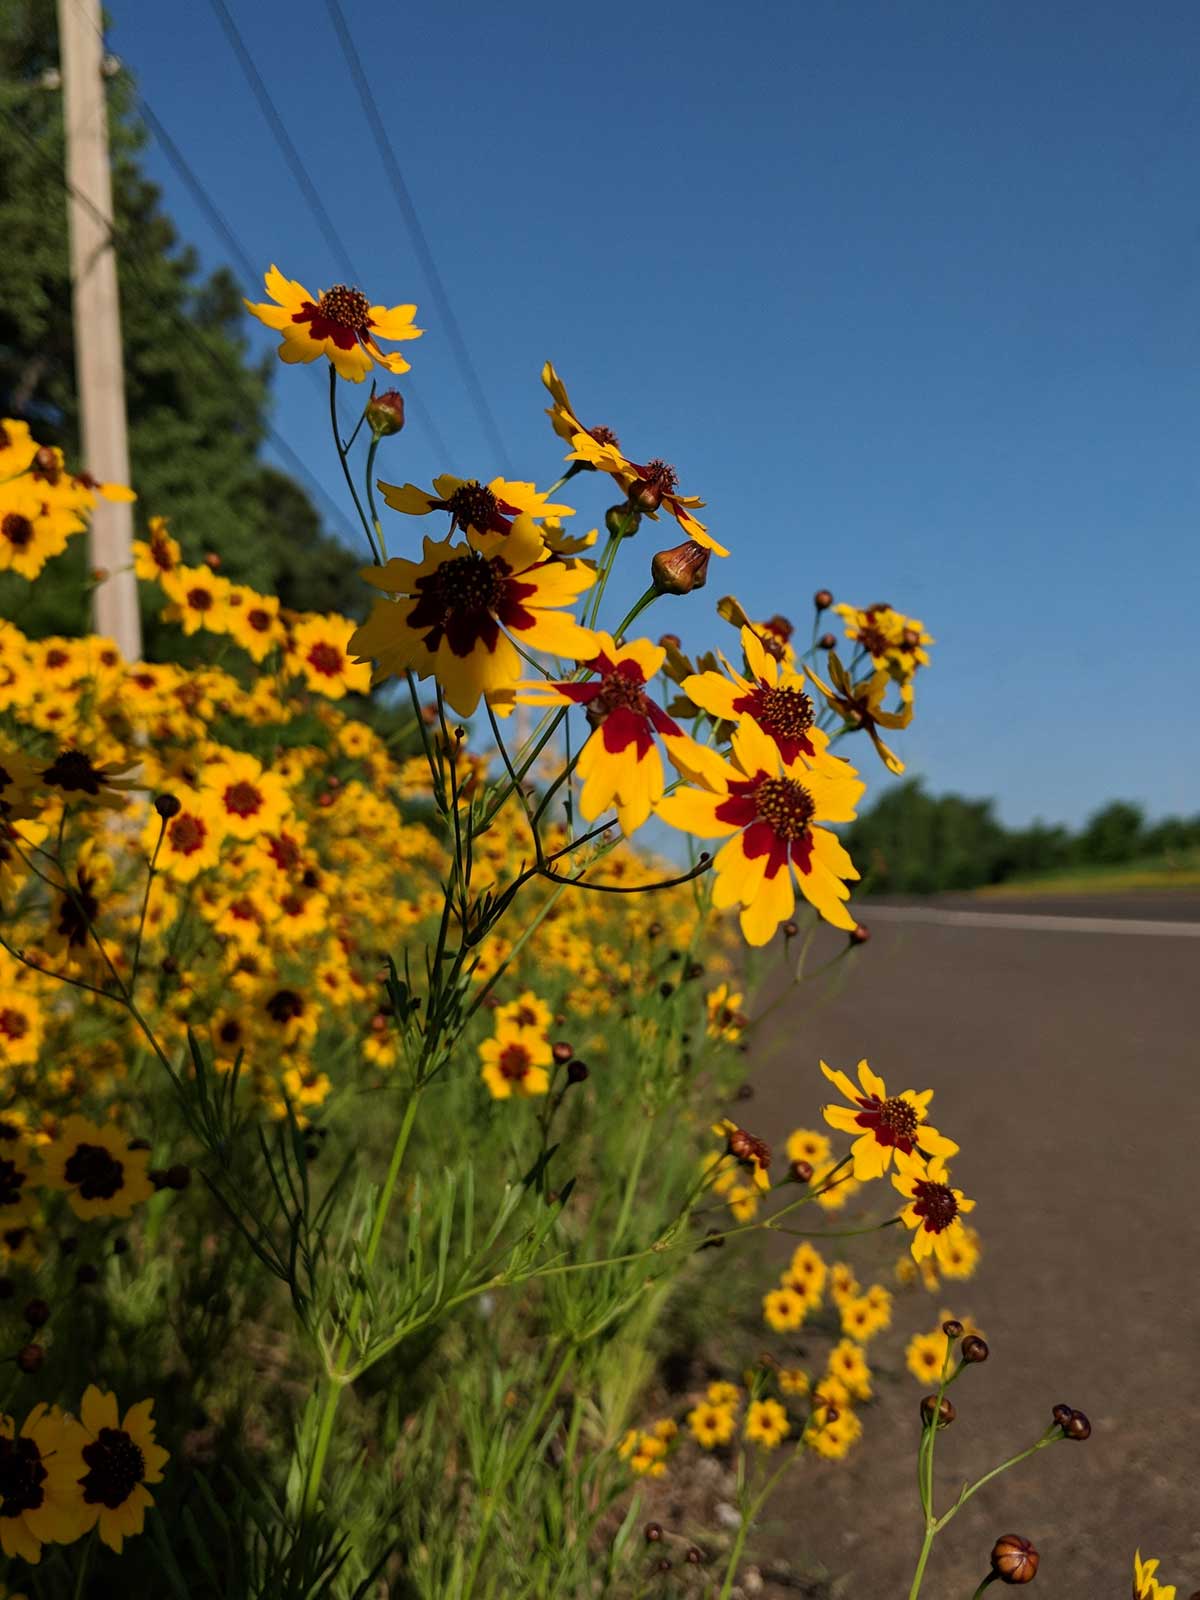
912, 842
198, 404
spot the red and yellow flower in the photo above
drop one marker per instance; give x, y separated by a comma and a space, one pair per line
860, 705
935, 1209
475, 508
771, 695
249, 799
321, 651
111, 1459
515, 1062
885, 1124
340, 323
772, 823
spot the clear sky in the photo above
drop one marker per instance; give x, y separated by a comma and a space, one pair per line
908, 293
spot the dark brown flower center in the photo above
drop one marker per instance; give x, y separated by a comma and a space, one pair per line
243, 799
77, 911
18, 530
603, 435
12, 1182
160, 554
873, 641
73, 771
627, 689
787, 712
661, 476
326, 659
94, 1171
200, 599
21, 1477
349, 308
935, 1204
514, 1062
13, 1024
465, 585
786, 805
473, 505
258, 619
285, 1005
900, 1116
187, 834
115, 1468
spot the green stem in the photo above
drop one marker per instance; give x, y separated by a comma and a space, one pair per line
991, 1578
735, 1556
635, 1173
81, 1574
341, 451
1023, 1455
369, 475
635, 611
922, 1560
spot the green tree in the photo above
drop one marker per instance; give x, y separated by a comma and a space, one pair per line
198, 403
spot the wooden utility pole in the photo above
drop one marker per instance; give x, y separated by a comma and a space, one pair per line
99, 370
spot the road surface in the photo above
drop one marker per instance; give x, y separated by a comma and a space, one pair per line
1065, 1065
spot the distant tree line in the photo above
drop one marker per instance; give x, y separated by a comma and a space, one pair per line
916, 843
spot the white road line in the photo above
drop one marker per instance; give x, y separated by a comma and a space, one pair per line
1045, 922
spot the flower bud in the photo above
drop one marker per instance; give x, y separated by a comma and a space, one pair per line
790, 929
860, 934
562, 1051
681, 569
666, 990
663, 1564
86, 1274
944, 1410
745, 1091
212, 561
178, 1176
1079, 1427
822, 600
167, 806
645, 495
974, 1348
577, 1072
653, 1532
800, 1171
670, 641
385, 413
36, 1313
695, 1557
622, 521
828, 641
1062, 1415
1014, 1560
30, 1358
952, 1328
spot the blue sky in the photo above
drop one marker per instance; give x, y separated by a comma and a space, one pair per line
907, 293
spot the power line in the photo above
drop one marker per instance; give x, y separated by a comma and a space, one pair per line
404, 200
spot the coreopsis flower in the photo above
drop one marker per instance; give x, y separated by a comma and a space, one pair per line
32, 529
249, 799
884, 1123
111, 1459
528, 1010
17, 1197
20, 1033
649, 486
340, 323
454, 610
199, 599
860, 705
725, 1017
806, 1144
17, 447
711, 1424
961, 1254
925, 1355
772, 822
935, 1210
723, 1393
784, 1309
892, 640
192, 838
766, 1423
321, 649
39, 1503
832, 1430
769, 694
78, 779
157, 554
475, 508
515, 1061
102, 1175
18, 784
848, 1363
793, 1380
1145, 1585
620, 765
807, 1272
253, 621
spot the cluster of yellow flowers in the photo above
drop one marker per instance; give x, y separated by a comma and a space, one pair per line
42, 505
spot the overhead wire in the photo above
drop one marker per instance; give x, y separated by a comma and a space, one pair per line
420, 241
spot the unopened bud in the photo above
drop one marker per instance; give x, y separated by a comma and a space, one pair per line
653, 1532
36, 1313
790, 929
695, 1557
828, 641
931, 1406
952, 1328
645, 495
562, 1051
45, 460
30, 1358
622, 522
860, 934
385, 413
212, 561
86, 1274
167, 806
822, 600
800, 1171
577, 1072
179, 1176
713, 1240
694, 969
663, 1564
670, 641
1062, 1415
1079, 1427
681, 569
666, 990
974, 1348
1014, 1560
745, 1091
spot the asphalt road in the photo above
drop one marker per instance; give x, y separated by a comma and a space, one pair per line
1065, 1065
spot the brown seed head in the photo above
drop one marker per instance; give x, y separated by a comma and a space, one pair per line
1014, 1560
822, 600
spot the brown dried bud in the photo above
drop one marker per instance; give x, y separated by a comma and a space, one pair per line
622, 522
801, 1171
86, 1274
952, 1328
1062, 1415
30, 1358
663, 1564
666, 990
167, 806
36, 1313
822, 600
562, 1051
974, 1348
653, 1532
645, 494
1014, 1560
695, 1557
681, 569
385, 413
745, 1091
1079, 1427
860, 934
827, 641
212, 561
178, 1176
577, 1072
790, 929
944, 1410
670, 641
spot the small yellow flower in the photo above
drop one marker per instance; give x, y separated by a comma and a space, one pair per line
711, 1424
848, 1363
1145, 1585
722, 1393
515, 1062
340, 323
793, 1380
766, 1423
784, 1310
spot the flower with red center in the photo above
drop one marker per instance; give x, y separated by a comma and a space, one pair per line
110, 1459
33, 527
452, 613
653, 484
253, 621
893, 641
935, 1210
772, 823
321, 652
860, 705
156, 554
199, 599
250, 800
39, 1501
770, 694
191, 840
515, 1061
620, 765
340, 323
475, 508
884, 1123
95, 1164
77, 779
